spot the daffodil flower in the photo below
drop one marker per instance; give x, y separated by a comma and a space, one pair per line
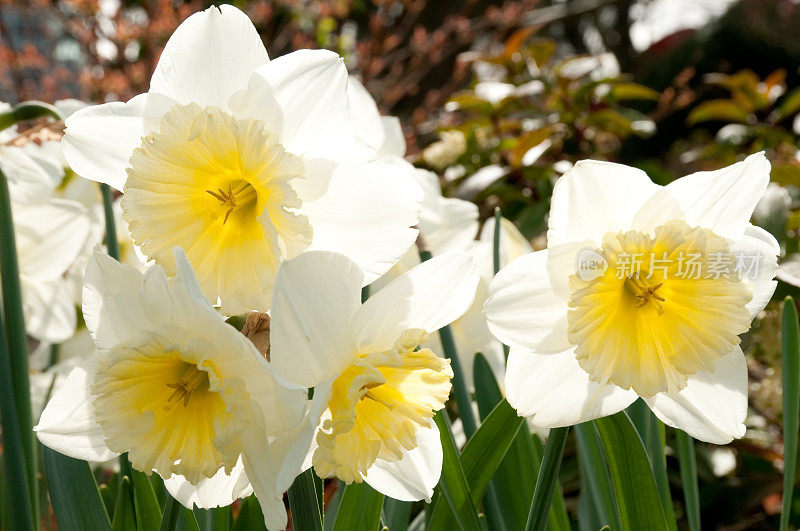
180, 390
244, 162
378, 391
641, 293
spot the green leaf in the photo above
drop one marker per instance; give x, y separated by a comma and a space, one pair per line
688, 466
188, 520
790, 367
148, 511
453, 483
305, 504
480, 458
547, 479
124, 517
73, 493
15, 503
360, 509
250, 516
717, 110
28, 110
633, 91
397, 514
634, 486
17, 344
594, 473
790, 104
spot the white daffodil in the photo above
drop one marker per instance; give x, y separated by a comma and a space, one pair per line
49, 237
643, 291
180, 390
362, 360
244, 162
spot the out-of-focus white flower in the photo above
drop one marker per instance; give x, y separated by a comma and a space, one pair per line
180, 390
723, 461
244, 162
380, 393
772, 210
446, 151
49, 238
614, 308
480, 181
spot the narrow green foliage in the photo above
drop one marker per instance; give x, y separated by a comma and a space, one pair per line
250, 516
74, 495
305, 503
547, 479
594, 474
145, 502
124, 517
790, 367
688, 466
396, 514
171, 513
635, 488
28, 110
359, 509
112, 244
453, 483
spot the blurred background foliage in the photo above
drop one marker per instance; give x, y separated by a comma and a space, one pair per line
500, 98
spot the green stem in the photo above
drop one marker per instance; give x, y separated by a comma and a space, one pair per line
305, 504
688, 466
498, 219
16, 337
547, 478
459, 381
111, 230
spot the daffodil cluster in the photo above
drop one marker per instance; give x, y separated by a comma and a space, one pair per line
271, 190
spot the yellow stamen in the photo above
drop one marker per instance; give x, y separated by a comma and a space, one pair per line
191, 380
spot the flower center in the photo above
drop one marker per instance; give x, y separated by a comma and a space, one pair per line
171, 414
667, 306
192, 380
239, 195
377, 404
221, 188
645, 292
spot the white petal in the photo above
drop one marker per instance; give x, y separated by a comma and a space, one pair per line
365, 115
111, 308
661, 208
28, 181
394, 143
712, 407
209, 57
523, 308
512, 243
458, 228
366, 214
472, 335
99, 140
218, 491
311, 88
723, 200
315, 298
431, 295
50, 236
49, 310
415, 475
260, 468
554, 391
67, 423
757, 252
594, 198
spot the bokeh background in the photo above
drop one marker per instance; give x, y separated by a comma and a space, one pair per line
499, 98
